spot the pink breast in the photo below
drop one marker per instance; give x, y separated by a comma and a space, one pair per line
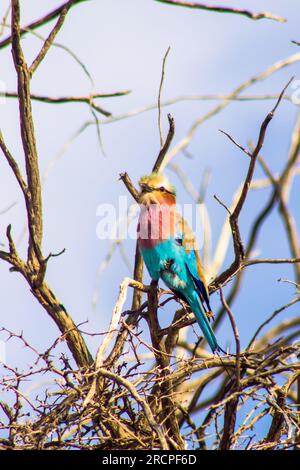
156, 223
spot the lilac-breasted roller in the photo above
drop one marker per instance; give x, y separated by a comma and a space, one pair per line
169, 249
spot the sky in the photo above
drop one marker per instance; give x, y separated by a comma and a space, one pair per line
122, 44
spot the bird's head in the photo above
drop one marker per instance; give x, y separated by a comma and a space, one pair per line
156, 189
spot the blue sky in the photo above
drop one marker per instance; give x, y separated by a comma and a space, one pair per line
122, 43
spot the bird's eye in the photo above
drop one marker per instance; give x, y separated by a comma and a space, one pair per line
162, 189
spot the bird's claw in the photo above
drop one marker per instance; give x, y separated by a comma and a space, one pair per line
210, 315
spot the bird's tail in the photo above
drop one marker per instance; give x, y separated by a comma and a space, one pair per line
204, 324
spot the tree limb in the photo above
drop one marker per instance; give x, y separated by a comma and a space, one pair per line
221, 9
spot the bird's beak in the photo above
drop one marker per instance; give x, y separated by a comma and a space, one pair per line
145, 188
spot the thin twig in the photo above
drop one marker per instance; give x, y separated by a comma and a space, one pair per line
266, 322
236, 336
41, 21
159, 98
117, 311
50, 39
185, 141
234, 217
159, 165
222, 9
148, 413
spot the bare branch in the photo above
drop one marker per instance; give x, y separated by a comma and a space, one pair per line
236, 336
221, 9
247, 152
34, 203
50, 39
42, 21
159, 97
14, 166
266, 322
160, 164
233, 219
129, 185
146, 408
185, 141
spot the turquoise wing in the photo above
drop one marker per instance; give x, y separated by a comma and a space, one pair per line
185, 237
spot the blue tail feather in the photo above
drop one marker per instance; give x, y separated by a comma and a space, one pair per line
204, 324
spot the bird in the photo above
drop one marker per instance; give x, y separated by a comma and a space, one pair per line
169, 250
